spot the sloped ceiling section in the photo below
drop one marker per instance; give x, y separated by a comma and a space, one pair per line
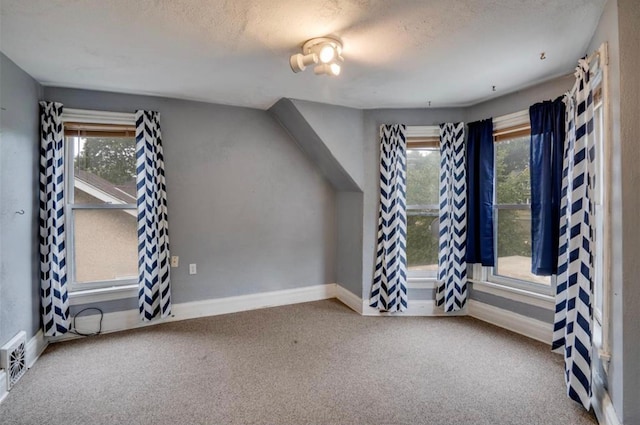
341, 130
403, 53
319, 150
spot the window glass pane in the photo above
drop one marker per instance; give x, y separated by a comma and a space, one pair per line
514, 246
513, 184
106, 244
598, 128
104, 170
423, 176
422, 240
599, 258
599, 211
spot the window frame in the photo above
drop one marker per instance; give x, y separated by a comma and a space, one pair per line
509, 128
601, 323
422, 138
599, 225
99, 290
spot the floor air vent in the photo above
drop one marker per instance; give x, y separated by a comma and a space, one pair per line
13, 358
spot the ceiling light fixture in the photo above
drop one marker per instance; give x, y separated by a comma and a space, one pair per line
324, 52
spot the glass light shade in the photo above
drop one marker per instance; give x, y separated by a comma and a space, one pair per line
327, 53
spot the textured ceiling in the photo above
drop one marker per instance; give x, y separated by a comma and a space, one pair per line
401, 53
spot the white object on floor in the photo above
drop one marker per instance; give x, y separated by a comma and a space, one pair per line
13, 358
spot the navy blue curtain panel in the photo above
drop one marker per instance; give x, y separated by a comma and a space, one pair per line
480, 193
547, 149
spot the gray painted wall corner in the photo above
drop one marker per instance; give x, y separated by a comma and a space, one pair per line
349, 262
331, 136
19, 161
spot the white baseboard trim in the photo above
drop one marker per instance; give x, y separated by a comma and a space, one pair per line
3, 385
214, 307
349, 299
605, 412
514, 322
35, 346
602, 405
415, 308
130, 319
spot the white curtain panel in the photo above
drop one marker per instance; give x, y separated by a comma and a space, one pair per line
53, 253
154, 293
451, 292
572, 334
389, 290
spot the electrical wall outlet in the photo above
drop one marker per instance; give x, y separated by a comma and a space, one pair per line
175, 261
193, 269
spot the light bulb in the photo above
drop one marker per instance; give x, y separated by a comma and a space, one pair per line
327, 53
335, 69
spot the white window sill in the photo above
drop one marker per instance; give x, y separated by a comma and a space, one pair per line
520, 295
103, 294
421, 282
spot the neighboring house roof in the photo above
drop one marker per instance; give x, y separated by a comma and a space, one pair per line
103, 189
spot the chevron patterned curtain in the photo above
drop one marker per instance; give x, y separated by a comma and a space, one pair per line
53, 264
389, 290
154, 294
451, 291
573, 318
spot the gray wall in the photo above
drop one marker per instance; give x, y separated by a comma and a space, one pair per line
521, 99
19, 158
350, 213
331, 137
245, 203
351, 137
535, 312
629, 54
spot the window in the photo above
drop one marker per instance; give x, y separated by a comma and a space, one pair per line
602, 251
598, 290
423, 176
101, 202
512, 213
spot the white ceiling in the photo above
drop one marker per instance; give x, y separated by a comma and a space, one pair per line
401, 53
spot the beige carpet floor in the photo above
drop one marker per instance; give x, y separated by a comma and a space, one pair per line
313, 363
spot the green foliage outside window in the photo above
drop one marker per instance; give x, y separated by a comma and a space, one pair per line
512, 187
112, 159
423, 174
